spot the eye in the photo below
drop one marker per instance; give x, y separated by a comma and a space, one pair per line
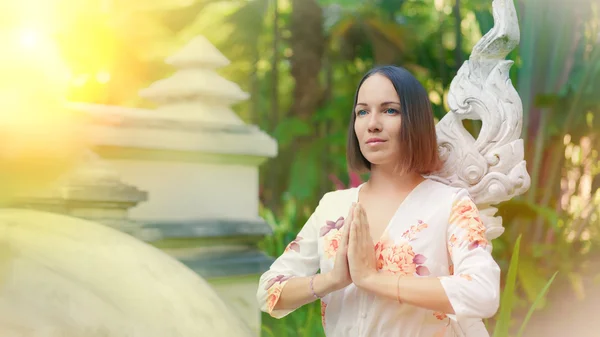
391, 111
361, 112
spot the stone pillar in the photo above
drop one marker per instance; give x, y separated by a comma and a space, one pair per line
199, 162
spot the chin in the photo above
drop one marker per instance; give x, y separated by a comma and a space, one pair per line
378, 158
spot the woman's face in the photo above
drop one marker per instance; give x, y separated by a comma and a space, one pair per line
378, 120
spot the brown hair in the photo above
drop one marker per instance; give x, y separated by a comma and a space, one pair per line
418, 141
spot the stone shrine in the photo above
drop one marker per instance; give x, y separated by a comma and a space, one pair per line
198, 162
66, 267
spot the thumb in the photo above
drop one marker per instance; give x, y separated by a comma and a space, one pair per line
345, 234
350, 213
347, 224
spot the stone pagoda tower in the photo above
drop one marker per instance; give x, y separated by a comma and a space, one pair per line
196, 92
198, 162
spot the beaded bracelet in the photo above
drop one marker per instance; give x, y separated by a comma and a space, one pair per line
312, 290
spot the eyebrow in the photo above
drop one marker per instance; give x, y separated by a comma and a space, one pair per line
382, 104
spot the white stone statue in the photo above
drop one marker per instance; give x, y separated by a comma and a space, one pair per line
491, 167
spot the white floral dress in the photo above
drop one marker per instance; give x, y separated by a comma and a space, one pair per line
435, 232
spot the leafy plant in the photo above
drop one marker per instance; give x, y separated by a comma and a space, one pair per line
510, 295
304, 322
285, 227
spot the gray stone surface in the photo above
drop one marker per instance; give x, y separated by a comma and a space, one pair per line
67, 277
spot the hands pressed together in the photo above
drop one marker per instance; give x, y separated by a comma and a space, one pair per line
355, 257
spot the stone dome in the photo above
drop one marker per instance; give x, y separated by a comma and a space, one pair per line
68, 277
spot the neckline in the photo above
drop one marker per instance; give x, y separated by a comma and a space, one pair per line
400, 206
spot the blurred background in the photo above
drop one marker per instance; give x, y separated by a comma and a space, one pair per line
300, 62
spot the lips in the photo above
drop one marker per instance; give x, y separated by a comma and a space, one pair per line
375, 141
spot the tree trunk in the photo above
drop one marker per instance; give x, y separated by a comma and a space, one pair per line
457, 19
256, 117
384, 52
270, 181
326, 164
308, 46
274, 120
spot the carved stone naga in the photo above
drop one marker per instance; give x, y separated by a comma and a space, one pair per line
492, 166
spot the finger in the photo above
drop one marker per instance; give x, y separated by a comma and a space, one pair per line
351, 244
356, 211
359, 216
364, 223
345, 234
350, 229
363, 231
354, 230
354, 219
350, 215
351, 212
347, 221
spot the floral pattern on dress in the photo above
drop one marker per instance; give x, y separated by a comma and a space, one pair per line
294, 245
323, 308
274, 288
399, 258
332, 225
412, 232
277, 279
440, 315
332, 236
452, 241
273, 295
332, 243
465, 215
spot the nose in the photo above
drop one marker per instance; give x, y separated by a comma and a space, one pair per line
374, 123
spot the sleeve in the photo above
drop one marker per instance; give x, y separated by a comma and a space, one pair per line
300, 259
474, 287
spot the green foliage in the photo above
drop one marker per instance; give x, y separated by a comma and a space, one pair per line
536, 303
304, 322
510, 296
290, 129
306, 173
524, 209
285, 227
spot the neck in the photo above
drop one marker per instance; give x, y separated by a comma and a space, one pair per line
386, 179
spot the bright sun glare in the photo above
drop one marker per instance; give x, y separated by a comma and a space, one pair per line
29, 38
31, 67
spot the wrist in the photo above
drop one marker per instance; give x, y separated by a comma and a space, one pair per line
331, 282
367, 282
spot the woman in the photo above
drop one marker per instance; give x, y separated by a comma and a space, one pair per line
429, 271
